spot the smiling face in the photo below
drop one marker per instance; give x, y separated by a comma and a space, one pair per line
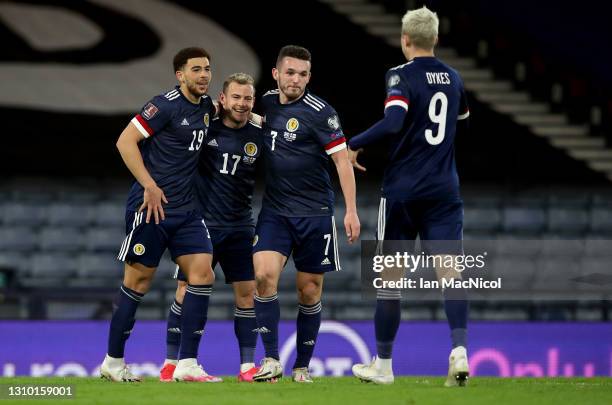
291, 75
194, 77
237, 100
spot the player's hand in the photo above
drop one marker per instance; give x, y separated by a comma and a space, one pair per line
256, 118
152, 201
352, 226
218, 107
352, 154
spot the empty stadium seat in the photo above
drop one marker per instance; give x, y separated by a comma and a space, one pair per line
601, 220
524, 219
515, 246
23, 213
104, 239
482, 219
554, 275
61, 239
15, 261
517, 273
66, 214
49, 265
552, 247
99, 266
567, 220
109, 214
18, 239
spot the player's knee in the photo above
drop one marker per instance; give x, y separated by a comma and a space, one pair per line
138, 279
202, 276
309, 292
266, 283
246, 301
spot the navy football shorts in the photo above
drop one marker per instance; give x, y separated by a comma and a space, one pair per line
183, 233
233, 250
312, 240
439, 222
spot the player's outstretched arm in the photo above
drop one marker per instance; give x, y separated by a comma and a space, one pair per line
347, 182
127, 144
391, 124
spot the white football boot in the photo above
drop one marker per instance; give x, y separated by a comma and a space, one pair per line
270, 370
458, 369
189, 370
301, 375
113, 369
372, 373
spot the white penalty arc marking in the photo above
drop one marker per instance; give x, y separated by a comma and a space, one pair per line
121, 88
336, 328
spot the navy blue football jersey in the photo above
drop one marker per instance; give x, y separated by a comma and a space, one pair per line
175, 130
298, 137
224, 187
421, 162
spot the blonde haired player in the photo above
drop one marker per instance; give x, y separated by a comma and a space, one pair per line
425, 109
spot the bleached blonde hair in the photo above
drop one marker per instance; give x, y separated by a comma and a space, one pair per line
421, 25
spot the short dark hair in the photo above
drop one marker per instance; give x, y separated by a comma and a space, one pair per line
293, 51
240, 78
181, 58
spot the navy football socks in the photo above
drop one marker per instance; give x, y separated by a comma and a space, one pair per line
173, 331
245, 328
386, 321
267, 312
195, 308
308, 323
123, 321
456, 308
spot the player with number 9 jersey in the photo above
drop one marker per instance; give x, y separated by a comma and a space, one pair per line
425, 109
424, 106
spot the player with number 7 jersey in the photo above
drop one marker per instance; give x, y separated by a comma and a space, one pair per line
302, 133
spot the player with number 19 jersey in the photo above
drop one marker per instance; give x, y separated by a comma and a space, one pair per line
174, 129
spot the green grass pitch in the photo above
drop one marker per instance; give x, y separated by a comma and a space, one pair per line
346, 390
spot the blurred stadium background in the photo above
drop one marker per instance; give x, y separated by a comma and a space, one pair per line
537, 163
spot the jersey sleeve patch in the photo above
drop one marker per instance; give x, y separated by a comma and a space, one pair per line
463, 116
336, 145
149, 111
143, 127
400, 101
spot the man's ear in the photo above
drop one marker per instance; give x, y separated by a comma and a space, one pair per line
275, 73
